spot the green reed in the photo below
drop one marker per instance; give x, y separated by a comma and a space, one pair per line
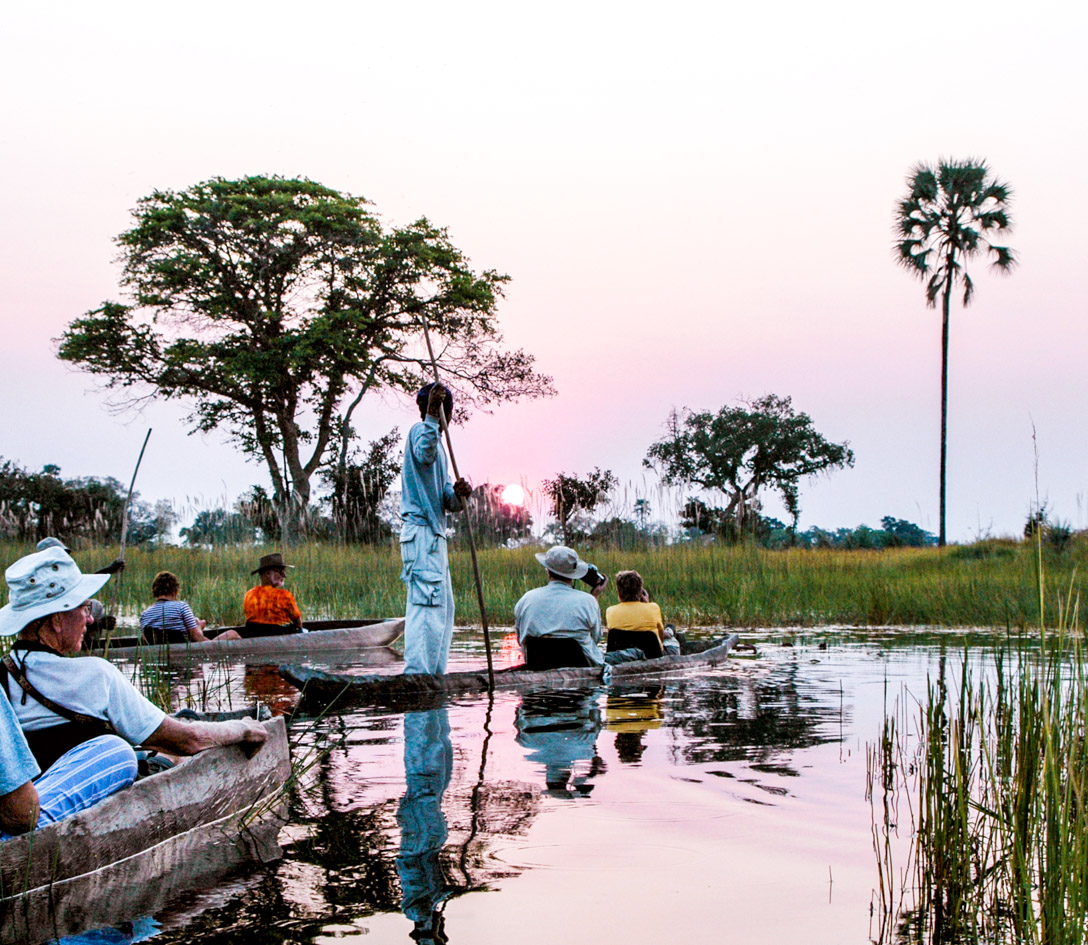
996, 785
696, 585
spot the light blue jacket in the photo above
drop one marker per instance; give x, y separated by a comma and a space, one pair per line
426, 493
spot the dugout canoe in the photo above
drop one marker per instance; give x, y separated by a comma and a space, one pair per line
127, 856
322, 687
323, 635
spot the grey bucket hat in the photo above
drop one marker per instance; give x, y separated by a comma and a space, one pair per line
46, 582
564, 561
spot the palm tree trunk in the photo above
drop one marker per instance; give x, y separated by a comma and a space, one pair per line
946, 301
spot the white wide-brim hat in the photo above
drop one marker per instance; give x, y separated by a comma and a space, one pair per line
563, 561
46, 582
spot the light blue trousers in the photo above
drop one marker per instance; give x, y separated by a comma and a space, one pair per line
428, 617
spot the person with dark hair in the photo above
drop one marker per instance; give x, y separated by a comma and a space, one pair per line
170, 620
426, 496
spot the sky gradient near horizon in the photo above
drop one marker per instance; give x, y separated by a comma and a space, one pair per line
693, 201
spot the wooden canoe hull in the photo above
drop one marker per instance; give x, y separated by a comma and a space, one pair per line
165, 833
362, 635
320, 687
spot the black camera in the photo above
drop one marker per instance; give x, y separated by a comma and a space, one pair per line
594, 578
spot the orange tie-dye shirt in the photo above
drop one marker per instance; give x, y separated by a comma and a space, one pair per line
267, 604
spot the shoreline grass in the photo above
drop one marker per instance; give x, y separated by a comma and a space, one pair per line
992, 584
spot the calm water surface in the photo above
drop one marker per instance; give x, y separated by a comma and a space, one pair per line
728, 806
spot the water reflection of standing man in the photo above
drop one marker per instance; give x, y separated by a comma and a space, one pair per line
560, 728
428, 765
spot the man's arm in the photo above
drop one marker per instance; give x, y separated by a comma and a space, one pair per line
190, 738
19, 810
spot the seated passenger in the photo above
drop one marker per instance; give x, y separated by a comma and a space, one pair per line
269, 607
635, 612
559, 611
28, 801
62, 703
170, 620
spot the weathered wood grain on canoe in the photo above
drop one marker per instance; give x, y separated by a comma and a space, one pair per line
361, 636
204, 791
318, 686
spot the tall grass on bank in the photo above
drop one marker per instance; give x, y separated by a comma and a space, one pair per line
995, 786
984, 585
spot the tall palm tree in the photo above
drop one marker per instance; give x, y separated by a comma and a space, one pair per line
941, 224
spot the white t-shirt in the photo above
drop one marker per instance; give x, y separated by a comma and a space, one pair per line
85, 684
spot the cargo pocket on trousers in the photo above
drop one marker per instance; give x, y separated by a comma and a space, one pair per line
425, 587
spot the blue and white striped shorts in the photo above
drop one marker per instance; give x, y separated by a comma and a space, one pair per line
84, 776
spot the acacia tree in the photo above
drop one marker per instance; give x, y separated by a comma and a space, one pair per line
941, 225
741, 450
572, 494
273, 306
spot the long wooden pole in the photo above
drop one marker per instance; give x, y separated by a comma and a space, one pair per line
467, 520
116, 590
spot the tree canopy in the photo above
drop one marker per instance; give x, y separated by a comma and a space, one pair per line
942, 223
87, 509
571, 494
273, 306
742, 450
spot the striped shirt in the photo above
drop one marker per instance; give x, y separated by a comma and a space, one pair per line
168, 620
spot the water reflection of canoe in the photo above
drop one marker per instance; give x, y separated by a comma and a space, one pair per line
124, 857
322, 635
320, 686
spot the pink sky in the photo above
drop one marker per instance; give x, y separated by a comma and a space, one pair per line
694, 204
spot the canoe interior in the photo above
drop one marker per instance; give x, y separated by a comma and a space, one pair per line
314, 626
366, 634
319, 687
160, 836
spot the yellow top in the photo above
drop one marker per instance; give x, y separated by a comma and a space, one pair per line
635, 615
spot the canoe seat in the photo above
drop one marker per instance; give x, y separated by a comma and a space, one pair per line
553, 653
646, 640
252, 629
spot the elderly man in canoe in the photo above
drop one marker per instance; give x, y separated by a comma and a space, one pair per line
562, 619
63, 703
426, 495
269, 607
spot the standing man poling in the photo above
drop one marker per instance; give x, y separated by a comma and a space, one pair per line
426, 495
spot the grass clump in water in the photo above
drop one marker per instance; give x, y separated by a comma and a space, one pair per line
996, 785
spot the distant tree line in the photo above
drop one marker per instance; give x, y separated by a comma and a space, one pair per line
83, 510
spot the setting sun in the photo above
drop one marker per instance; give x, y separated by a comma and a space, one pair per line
513, 494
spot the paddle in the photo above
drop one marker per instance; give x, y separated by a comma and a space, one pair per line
116, 589
467, 520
